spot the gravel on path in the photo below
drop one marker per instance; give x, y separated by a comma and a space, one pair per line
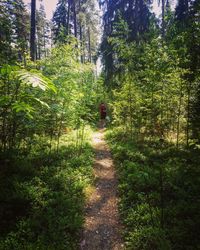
102, 228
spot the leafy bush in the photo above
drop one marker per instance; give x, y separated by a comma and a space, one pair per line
159, 190
43, 199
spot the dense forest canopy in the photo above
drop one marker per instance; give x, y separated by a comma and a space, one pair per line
49, 104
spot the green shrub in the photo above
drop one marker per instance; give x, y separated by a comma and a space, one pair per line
159, 193
49, 192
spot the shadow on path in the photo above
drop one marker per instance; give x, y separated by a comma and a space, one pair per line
102, 229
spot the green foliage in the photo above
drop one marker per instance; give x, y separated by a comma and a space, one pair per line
76, 85
44, 195
43, 174
151, 95
48, 102
36, 79
21, 101
154, 85
158, 187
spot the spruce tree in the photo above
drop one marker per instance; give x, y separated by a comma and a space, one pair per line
61, 20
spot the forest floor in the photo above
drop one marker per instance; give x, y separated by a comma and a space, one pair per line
102, 228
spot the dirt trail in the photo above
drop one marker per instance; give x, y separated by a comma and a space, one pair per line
102, 230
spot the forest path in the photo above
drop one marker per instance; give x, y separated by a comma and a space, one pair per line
102, 229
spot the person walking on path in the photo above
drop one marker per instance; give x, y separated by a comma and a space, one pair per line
103, 113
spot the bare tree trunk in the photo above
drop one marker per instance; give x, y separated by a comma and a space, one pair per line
81, 33
75, 21
81, 43
44, 42
188, 115
152, 127
68, 17
89, 46
178, 121
60, 126
38, 49
163, 18
33, 30
130, 100
14, 121
161, 199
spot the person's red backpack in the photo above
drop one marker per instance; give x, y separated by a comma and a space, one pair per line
103, 110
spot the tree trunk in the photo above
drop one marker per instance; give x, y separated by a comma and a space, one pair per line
68, 17
33, 30
188, 116
81, 43
38, 47
163, 18
44, 42
81, 33
178, 122
161, 199
75, 21
89, 46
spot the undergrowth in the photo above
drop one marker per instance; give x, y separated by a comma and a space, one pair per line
42, 197
159, 193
